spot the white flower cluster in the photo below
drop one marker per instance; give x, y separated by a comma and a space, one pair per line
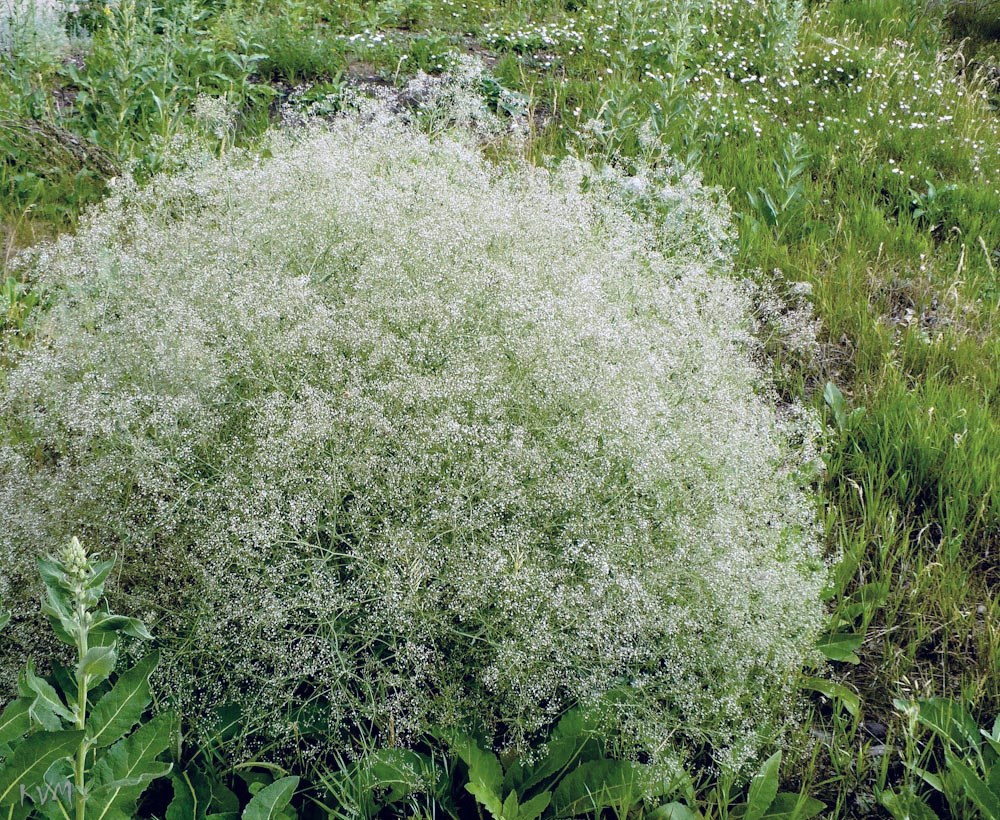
386, 436
33, 28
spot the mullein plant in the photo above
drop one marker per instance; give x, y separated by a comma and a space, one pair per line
67, 743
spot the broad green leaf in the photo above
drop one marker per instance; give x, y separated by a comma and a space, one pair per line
185, 804
763, 787
4, 618
46, 707
101, 570
53, 576
63, 678
105, 622
224, 799
596, 785
672, 811
833, 397
31, 759
510, 808
53, 798
271, 799
60, 618
120, 709
15, 720
535, 806
486, 796
948, 719
572, 739
122, 773
977, 791
484, 767
97, 664
991, 741
789, 806
836, 692
841, 646
906, 806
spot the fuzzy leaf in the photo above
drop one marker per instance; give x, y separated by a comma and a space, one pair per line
31, 759
841, 646
101, 570
46, 707
59, 616
509, 811
185, 804
53, 577
487, 797
120, 709
105, 622
789, 806
271, 799
97, 664
122, 773
672, 811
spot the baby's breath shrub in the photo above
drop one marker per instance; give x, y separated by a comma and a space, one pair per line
387, 437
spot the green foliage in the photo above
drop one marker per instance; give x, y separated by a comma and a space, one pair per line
270, 802
781, 209
46, 169
74, 746
143, 71
969, 778
763, 801
931, 206
572, 777
384, 780
18, 301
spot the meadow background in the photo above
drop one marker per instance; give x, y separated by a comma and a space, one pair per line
857, 146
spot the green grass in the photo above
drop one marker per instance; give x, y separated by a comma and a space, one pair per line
893, 221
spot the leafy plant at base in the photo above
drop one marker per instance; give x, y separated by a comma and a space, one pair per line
383, 779
970, 777
67, 744
763, 800
198, 797
573, 776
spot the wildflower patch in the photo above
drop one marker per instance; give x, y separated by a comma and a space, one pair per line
387, 437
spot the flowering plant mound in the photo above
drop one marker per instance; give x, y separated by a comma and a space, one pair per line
387, 437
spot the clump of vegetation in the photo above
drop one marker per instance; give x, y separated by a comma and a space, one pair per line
67, 746
387, 437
